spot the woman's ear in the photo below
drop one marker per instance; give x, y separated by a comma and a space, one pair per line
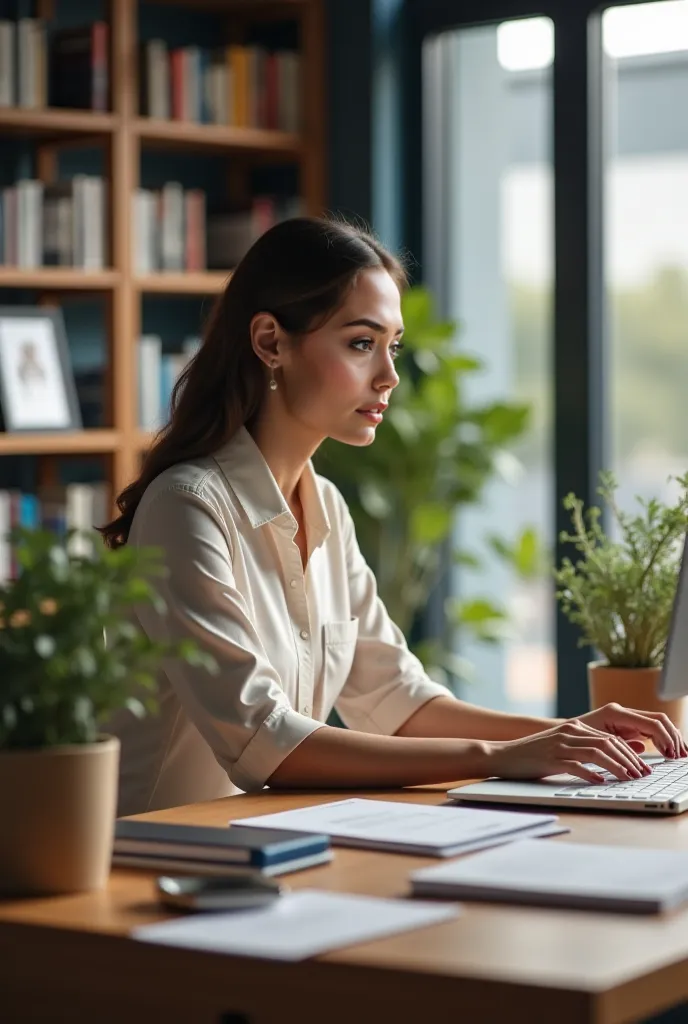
267, 338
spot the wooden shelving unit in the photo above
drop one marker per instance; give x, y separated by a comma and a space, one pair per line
124, 134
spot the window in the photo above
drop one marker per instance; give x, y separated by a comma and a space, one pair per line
489, 258
646, 252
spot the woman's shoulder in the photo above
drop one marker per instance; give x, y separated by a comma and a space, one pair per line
197, 480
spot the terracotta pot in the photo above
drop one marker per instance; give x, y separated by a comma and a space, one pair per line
57, 809
632, 687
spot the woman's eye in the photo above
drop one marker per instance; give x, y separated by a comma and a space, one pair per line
363, 341
397, 349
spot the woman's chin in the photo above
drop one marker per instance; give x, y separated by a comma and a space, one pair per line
360, 437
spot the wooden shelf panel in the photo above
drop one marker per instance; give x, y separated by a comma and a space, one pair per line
190, 135
208, 282
80, 442
54, 122
273, 7
49, 278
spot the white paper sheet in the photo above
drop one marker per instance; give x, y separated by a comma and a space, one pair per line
297, 925
564, 874
403, 827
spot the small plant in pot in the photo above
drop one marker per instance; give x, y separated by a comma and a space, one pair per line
60, 680
621, 592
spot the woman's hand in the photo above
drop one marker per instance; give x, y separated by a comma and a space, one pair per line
571, 747
632, 726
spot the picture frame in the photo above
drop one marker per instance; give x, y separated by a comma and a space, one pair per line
37, 389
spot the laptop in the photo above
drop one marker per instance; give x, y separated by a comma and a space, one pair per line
665, 791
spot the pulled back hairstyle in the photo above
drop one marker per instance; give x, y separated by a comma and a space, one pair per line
300, 272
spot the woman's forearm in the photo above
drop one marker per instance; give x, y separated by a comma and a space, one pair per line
334, 758
448, 716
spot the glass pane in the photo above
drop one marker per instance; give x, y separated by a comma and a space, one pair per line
646, 257
489, 257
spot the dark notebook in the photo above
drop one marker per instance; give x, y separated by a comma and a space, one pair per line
164, 845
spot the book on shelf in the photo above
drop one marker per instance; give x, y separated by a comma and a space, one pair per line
230, 235
243, 86
157, 374
218, 850
60, 224
79, 67
59, 509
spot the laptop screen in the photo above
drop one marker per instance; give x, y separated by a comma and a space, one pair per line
674, 679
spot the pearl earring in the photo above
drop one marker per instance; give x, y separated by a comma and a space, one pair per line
273, 382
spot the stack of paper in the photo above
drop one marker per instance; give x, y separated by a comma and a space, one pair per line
564, 875
298, 925
407, 827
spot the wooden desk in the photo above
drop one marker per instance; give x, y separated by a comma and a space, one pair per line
69, 958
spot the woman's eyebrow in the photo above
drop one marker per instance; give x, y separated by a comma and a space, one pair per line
373, 325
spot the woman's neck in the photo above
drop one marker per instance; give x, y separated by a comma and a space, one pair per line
286, 449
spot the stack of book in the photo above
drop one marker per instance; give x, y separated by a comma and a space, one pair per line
72, 71
61, 224
59, 509
218, 851
245, 86
169, 229
158, 374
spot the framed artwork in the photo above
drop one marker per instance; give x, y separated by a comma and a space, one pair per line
37, 389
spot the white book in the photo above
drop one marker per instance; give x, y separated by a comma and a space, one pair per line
7, 64
564, 875
94, 247
26, 63
30, 223
5, 525
172, 226
403, 827
297, 925
149, 366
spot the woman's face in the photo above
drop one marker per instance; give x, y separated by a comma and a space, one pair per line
332, 375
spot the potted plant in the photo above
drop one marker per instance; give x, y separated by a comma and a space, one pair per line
60, 679
620, 593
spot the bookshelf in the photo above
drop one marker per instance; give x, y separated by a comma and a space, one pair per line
122, 134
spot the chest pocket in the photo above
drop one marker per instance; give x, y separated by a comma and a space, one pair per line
339, 640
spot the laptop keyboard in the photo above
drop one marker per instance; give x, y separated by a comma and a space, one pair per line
669, 781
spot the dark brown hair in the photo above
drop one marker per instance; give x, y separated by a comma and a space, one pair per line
300, 272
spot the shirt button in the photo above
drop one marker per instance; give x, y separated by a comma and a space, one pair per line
292, 584
304, 634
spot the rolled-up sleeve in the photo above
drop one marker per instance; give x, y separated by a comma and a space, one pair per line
241, 711
387, 683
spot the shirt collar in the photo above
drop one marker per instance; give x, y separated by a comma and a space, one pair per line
251, 479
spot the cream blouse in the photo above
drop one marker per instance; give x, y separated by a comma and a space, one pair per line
290, 645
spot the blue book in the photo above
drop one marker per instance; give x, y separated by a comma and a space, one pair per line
216, 850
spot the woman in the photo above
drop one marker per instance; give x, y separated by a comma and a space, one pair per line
265, 572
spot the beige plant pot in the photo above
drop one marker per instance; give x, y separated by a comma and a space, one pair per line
632, 687
57, 816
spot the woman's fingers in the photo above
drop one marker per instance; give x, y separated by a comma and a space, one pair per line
586, 731
610, 761
605, 753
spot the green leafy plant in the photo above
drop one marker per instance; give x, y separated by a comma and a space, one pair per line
434, 453
620, 593
60, 679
